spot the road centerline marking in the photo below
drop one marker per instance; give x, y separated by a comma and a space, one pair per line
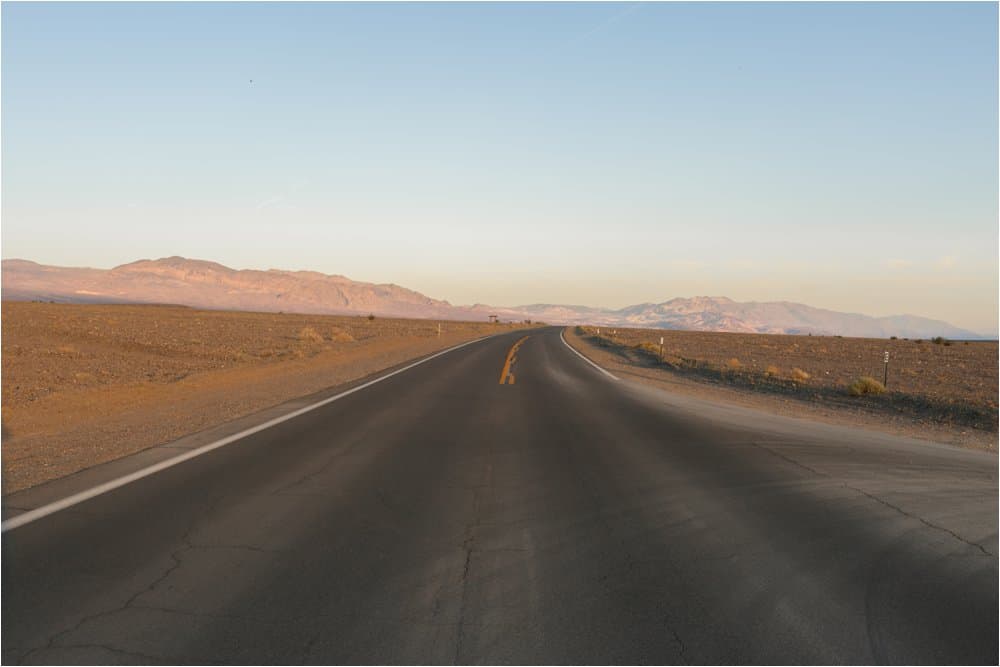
505, 374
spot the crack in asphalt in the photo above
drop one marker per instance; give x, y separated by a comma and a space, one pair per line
879, 500
468, 544
920, 519
789, 459
51, 642
112, 649
175, 556
677, 639
331, 462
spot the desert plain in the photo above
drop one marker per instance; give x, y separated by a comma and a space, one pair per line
86, 384
937, 389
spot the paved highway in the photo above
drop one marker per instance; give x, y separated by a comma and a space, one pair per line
497, 506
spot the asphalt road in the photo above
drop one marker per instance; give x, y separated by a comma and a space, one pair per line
440, 516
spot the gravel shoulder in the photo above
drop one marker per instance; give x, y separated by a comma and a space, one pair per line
636, 367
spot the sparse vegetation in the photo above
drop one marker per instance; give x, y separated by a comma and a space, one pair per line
74, 373
957, 386
866, 386
649, 348
310, 335
371, 316
734, 364
938, 340
338, 335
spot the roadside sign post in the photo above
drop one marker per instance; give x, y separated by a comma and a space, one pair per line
661, 349
885, 370
439, 328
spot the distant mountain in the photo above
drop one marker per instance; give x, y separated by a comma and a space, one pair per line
705, 313
204, 284
210, 285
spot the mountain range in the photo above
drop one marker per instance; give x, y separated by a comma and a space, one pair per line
205, 284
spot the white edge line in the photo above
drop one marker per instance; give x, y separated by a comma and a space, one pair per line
77, 498
577, 353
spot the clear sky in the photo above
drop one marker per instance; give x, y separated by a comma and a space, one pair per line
841, 155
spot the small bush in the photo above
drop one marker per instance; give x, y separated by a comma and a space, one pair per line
651, 348
866, 386
371, 316
799, 374
310, 335
938, 340
772, 371
734, 364
893, 338
338, 335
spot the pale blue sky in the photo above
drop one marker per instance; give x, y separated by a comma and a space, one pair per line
842, 155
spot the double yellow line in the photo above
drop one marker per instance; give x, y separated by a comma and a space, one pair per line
506, 377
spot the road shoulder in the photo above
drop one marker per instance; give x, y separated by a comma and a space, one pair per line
787, 406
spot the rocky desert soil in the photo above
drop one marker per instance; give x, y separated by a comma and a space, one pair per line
86, 384
945, 391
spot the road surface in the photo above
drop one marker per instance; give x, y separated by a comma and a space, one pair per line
498, 507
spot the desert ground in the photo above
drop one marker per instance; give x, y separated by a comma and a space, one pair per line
943, 390
85, 384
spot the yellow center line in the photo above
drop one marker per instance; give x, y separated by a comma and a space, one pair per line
505, 374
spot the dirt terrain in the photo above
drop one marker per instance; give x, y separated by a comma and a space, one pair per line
85, 384
944, 390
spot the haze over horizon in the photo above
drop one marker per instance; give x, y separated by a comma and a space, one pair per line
843, 156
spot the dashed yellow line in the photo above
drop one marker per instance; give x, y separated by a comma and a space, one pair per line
506, 377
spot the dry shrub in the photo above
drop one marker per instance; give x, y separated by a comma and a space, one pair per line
734, 364
799, 374
865, 386
338, 335
310, 335
66, 349
772, 371
652, 348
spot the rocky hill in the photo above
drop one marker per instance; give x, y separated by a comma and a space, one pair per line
205, 284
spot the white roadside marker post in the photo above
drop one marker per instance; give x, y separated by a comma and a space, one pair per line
885, 371
661, 349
